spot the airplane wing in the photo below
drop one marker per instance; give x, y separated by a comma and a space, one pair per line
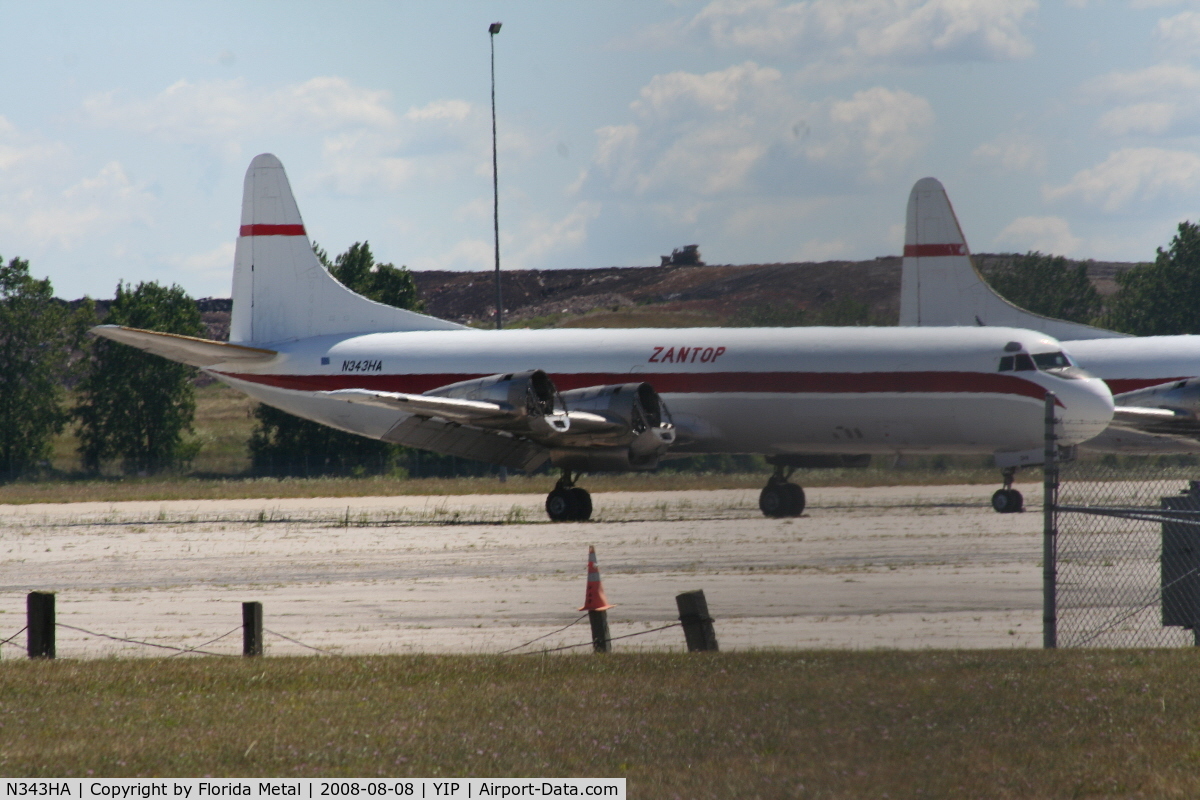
451, 409
491, 447
186, 349
1135, 414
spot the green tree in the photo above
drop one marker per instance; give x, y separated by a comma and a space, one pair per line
135, 406
284, 444
37, 335
384, 283
1052, 286
1163, 297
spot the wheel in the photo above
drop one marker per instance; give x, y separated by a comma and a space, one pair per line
775, 500
1007, 501
582, 503
796, 499
560, 505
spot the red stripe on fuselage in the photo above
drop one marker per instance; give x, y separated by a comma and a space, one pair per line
272, 230
692, 382
931, 250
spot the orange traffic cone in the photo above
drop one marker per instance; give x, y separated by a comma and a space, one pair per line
594, 600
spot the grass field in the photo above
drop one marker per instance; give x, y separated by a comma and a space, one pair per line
1025, 724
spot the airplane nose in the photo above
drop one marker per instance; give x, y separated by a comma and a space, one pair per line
1085, 409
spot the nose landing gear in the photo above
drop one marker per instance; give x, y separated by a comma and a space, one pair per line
1008, 500
568, 502
780, 497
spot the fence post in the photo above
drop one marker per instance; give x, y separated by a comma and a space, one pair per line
1050, 530
697, 624
600, 635
252, 629
39, 619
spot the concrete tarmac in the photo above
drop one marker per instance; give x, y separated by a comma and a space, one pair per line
895, 567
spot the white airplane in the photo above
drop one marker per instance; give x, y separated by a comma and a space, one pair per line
1153, 379
610, 400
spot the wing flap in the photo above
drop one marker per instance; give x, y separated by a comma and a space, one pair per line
457, 440
450, 408
185, 349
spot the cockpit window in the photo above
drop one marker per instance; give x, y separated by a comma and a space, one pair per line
1050, 361
1020, 361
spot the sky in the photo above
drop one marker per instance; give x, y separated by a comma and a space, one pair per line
762, 130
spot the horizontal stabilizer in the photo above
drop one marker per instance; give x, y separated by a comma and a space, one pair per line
185, 349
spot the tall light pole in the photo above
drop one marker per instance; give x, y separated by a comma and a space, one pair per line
493, 29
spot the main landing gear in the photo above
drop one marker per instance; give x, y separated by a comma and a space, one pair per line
781, 498
1008, 500
568, 502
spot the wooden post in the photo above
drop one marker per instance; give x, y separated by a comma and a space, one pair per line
39, 619
252, 627
601, 640
697, 624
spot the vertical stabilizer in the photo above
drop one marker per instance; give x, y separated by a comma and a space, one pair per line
940, 286
280, 290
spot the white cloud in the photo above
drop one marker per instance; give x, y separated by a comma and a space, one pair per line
1011, 153
1046, 234
213, 112
541, 238
888, 127
212, 266
1179, 36
744, 131
44, 204
1140, 174
366, 146
862, 33
1158, 100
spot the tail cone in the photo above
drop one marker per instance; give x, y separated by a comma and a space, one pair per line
594, 600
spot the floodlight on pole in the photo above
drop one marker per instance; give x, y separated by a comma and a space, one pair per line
493, 29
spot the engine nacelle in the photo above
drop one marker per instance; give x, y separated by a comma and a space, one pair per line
614, 428
529, 401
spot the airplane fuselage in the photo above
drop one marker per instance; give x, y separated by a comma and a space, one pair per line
732, 390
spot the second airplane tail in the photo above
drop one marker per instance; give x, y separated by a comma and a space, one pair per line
281, 291
939, 285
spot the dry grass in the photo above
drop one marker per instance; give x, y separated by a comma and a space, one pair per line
1022, 724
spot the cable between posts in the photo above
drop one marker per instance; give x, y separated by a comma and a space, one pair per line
551, 633
14, 636
144, 644
591, 644
297, 641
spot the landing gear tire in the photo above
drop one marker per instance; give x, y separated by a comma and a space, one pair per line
1008, 501
781, 500
568, 503
582, 501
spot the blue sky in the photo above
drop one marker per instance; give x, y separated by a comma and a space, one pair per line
763, 130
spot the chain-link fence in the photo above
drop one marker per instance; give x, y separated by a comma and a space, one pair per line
1128, 552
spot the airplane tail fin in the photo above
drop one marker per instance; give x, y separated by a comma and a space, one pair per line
940, 286
280, 290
